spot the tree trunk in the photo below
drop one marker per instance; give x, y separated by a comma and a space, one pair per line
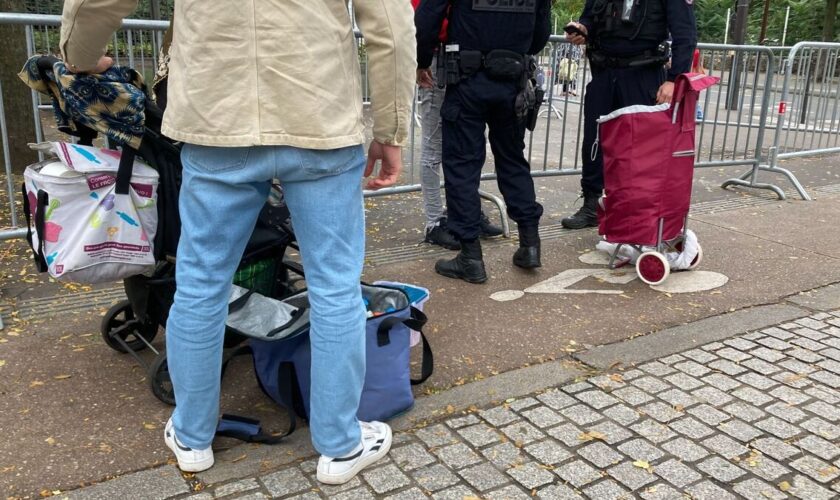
828, 23
17, 98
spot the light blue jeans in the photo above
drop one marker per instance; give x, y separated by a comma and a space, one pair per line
430, 150
222, 192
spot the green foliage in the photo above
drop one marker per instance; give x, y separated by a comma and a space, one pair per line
805, 23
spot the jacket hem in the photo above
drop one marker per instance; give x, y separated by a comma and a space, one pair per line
265, 140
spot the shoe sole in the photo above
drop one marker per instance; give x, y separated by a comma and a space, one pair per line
459, 277
448, 247
578, 226
335, 479
528, 266
189, 467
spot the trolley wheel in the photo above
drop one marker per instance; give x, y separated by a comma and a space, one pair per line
120, 322
159, 380
652, 268
697, 259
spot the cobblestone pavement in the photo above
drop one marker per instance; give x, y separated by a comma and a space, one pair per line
756, 416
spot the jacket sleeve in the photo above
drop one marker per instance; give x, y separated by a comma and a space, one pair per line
87, 27
683, 29
542, 27
429, 18
389, 39
586, 18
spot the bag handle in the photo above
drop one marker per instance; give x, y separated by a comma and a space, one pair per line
41, 224
427, 365
416, 322
125, 169
40, 262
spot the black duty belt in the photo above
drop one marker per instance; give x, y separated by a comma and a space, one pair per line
499, 64
647, 58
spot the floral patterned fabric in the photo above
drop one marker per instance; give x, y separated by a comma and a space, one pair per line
111, 103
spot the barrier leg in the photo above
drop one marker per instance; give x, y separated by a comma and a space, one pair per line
502, 210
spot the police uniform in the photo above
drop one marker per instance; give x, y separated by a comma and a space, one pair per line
487, 39
626, 50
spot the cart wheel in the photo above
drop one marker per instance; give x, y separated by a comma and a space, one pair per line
652, 268
159, 380
119, 321
697, 259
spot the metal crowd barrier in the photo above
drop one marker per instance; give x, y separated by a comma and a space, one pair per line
803, 110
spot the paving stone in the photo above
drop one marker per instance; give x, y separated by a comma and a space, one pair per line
661, 492
578, 473
522, 404
751, 395
457, 456
758, 381
411, 494
822, 428
778, 428
434, 478
787, 412
797, 366
824, 394
740, 430
436, 435
707, 490
740, 344
804, 488
259, 495
548, 452
507, 493
236, 487
778, 333
753, 336
726, 366
685, 450
805, 355
830, 365
656, 368
531, 475
499, 416
608, 382
612, 433
720, 469
818, 470
767, 468
635, 373
455, 493
522, 433
676, 473
332, 490
650, 385
632, 395
700, 356
558, 492
542, 416
744, 411
285, 482
819, 447
790, 396
811, 323
684, 382
568, 434
607, 490
714, 346
653, 431
725, 446
808, 344
484, 477
756, 489
201, 496
556, 399
480, 435
824, 410
398, 439
386, 479
660, 412
811, 333
600, 454
639, 449
761, 366
457, 423
504, 455
733, 354
158, 483
411, 457
596, 399
708, 414
670, 360
581, 414
574, 388
622, 414
676, 397
710, 395
721, 381
691, 428
769, 355
692, 368
775, 448
791, 379
777, 344
631, 476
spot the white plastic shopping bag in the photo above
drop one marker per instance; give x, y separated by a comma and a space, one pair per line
81, 227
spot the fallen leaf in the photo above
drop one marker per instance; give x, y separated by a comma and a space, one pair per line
642, 464
50, 441
239, 458
450, 409
36, 383
592, 435
679, 408
784, 486
62, 377
828, 471
616, 377
150, 427
2, 362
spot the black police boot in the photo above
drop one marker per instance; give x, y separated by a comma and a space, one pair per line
439, 234
527, 256
467, 265
488, 229
586, 216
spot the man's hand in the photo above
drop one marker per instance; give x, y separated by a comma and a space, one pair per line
665, 93
576, 38
389, 170
104, 63
425, 79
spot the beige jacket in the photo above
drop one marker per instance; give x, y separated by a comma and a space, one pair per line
269, 72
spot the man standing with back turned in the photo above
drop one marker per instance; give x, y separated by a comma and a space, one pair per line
486, 68
262, 89
627, 53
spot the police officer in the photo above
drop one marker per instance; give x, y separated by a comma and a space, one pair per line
627, 50
487, 71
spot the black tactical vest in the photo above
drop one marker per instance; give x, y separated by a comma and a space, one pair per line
645, 20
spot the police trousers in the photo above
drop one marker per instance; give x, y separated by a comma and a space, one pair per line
609, 90
469, 107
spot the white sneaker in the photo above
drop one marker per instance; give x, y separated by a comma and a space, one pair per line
376, 442
189, 460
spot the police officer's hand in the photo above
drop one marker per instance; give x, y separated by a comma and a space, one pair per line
425, 79
389, 170
102, 65
574, 37
665, 93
